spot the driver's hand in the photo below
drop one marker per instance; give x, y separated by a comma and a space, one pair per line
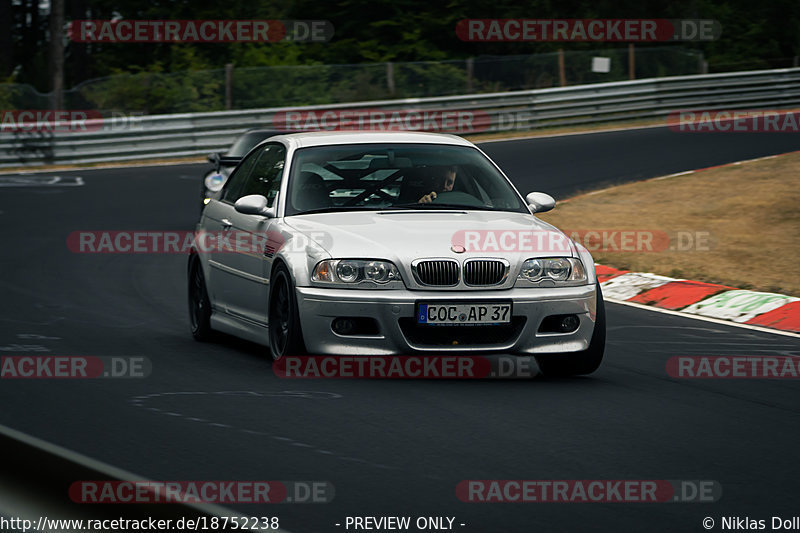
428, 198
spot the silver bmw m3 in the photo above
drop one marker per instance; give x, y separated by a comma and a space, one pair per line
390, 243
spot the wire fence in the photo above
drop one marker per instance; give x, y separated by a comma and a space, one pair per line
122, 138
260, 87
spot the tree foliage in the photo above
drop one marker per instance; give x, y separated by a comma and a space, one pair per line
366, 31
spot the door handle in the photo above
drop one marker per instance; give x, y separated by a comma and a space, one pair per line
226, 224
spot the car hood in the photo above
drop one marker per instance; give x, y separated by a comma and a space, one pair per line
407, 235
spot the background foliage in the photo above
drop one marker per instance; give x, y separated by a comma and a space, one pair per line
164, 76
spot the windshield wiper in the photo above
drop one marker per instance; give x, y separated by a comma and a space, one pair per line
334, 209
439, 204
410, 206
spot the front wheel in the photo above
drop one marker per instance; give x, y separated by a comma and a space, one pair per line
579, 363
199, 303
285, 335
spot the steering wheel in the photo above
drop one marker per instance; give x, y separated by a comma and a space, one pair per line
457, 197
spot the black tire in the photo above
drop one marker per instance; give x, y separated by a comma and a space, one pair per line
579, 363
285, 334
199, 303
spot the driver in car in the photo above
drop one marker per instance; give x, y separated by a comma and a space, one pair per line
444, 183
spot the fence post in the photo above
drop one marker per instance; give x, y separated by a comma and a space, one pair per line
57, 52
631, 62
229, 86
390, 77
702, 64
471, 72
562, 74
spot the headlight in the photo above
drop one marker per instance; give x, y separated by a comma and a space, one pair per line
355, 272
562, 270
214, 182
348, 271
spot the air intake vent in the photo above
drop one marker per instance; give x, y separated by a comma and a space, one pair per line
484, 272
437, 273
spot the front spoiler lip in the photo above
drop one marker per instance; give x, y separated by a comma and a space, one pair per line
517, 294
318, 307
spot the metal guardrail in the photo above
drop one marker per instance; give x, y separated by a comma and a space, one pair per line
194, 134
36, 486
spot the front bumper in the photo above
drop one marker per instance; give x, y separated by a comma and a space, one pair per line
394, 311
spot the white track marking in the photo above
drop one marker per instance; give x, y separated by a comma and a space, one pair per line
706, 319
138, 401
40, 181
628, 285
723, 305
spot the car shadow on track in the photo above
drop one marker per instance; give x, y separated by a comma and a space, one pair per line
485, 367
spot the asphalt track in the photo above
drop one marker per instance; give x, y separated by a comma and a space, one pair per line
389, 447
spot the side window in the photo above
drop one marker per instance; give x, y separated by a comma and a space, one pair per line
237, 179
265, 179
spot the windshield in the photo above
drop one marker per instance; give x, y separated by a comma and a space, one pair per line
397, 176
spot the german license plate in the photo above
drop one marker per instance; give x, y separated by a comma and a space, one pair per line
469, 314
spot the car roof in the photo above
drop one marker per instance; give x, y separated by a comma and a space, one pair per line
263, 131
328, 138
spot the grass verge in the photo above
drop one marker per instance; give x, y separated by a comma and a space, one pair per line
747, 214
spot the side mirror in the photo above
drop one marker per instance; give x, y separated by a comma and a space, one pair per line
214, 158
228, 161
539, 202
254, 204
